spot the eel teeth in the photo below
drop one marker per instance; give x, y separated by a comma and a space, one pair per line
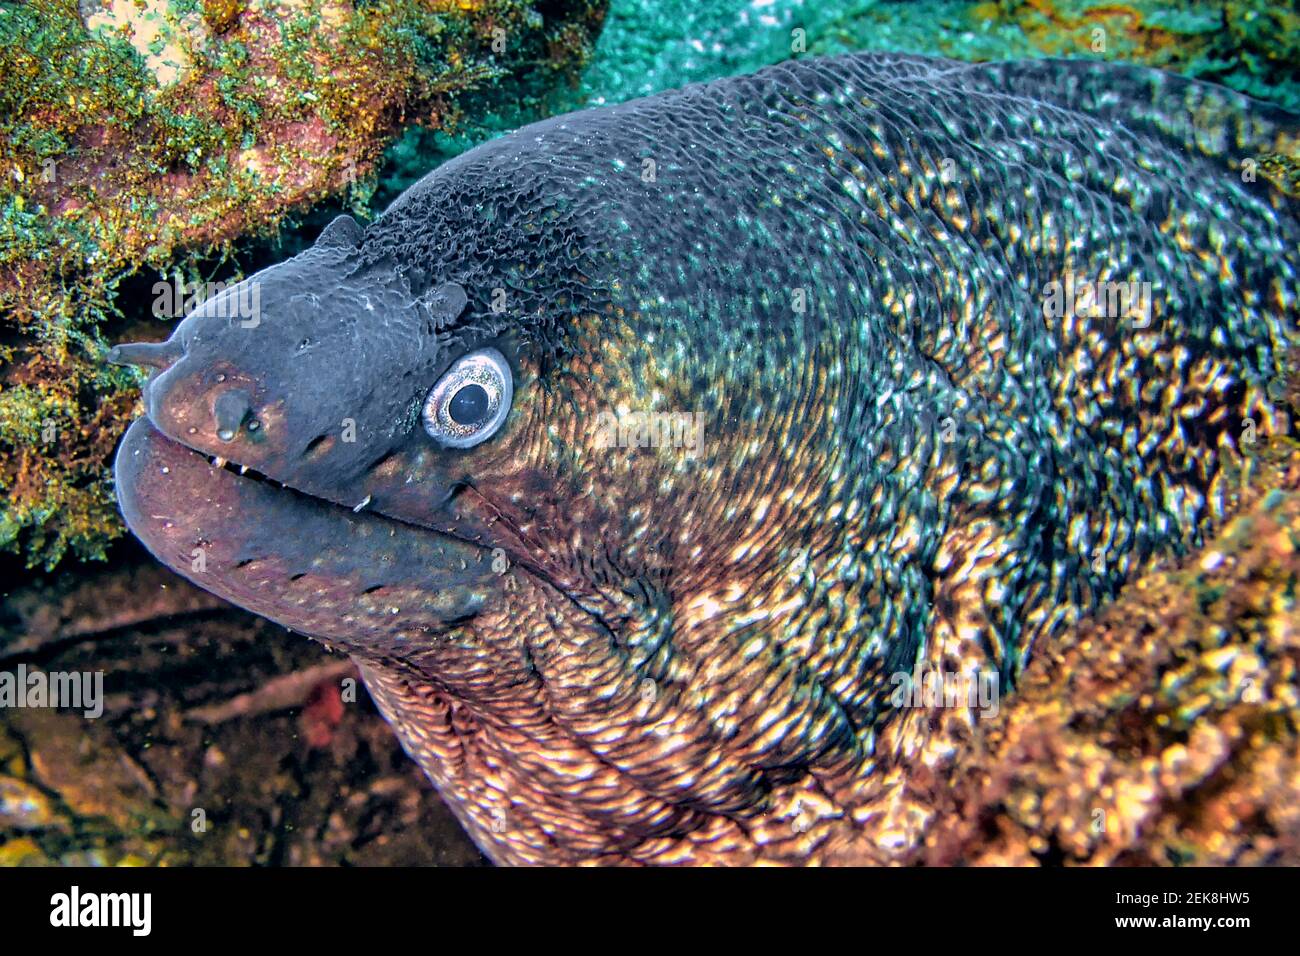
243, 469
219, 462
365, 502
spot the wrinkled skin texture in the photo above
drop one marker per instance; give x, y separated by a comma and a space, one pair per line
688, 654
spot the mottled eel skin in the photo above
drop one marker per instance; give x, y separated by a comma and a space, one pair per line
676, 654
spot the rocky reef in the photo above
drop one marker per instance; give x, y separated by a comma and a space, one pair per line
1249, 45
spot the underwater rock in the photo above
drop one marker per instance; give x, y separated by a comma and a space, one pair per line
140, 133
153, 782
1250, 45
23, 806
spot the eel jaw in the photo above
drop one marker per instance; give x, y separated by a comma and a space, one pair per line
362, 582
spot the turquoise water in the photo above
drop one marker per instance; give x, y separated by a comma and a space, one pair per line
653, 45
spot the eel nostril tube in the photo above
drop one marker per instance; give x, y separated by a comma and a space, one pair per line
230, 409
159, 355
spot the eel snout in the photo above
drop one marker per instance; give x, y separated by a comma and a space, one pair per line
360, 582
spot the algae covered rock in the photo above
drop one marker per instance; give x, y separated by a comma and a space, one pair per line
140, 134
1166, 731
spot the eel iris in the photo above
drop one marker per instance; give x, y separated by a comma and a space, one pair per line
636, 454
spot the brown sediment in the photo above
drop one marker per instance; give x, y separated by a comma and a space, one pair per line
307, 773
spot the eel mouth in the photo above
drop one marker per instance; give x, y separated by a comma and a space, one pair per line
360, 581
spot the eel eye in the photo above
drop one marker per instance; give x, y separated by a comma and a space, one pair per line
470, 401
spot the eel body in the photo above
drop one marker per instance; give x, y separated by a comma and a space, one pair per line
651, 459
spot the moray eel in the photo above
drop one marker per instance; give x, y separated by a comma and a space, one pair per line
635, 455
